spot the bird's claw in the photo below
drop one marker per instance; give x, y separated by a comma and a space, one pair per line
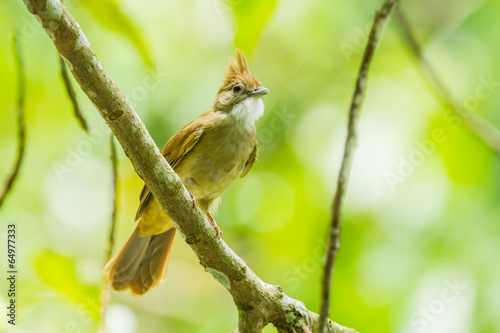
212, 221
193, 198
218, 232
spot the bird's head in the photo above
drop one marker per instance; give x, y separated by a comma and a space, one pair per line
240, 93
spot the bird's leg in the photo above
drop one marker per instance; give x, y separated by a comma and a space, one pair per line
195, 202
212, 221
214, 224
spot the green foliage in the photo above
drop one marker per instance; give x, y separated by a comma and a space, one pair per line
457, 141
401, 242
251, 17
59, 273
111, 16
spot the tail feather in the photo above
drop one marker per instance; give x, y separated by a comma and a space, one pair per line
154, 269
142, 262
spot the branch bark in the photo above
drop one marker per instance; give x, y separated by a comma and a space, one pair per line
21, 136
377, 29
256, 300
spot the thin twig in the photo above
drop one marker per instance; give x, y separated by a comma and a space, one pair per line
105, 294
72, 96
21, 137
377, 29
114, 162
483, 129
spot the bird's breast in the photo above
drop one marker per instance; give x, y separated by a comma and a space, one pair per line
216, 160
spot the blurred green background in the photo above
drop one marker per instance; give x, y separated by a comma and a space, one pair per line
421, 234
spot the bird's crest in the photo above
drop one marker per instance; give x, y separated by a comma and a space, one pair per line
238, 71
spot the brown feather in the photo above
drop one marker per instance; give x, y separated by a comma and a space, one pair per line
238, 71
141, 263
208, 154
174, 151
250, 161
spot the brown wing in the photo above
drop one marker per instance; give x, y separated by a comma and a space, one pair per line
250, 162
175, 149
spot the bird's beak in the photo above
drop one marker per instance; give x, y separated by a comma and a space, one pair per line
259, 91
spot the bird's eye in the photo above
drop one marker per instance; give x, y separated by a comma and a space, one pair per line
237, 88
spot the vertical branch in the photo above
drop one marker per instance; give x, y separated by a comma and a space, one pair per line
484, 130
111, 237
21, 137
377, 29
72, 96
105, 294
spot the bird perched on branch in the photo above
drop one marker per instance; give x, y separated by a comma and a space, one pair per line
208, 154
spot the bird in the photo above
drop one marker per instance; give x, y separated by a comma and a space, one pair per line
208, 154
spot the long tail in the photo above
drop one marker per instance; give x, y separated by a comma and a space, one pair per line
141, 263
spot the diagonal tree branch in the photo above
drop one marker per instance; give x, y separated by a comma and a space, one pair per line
483, 129
256, 300
377, 29
21, 87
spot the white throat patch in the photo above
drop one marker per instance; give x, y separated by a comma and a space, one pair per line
248, 111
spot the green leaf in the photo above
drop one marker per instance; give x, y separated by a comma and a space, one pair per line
251, 17
58, 272
109, 14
